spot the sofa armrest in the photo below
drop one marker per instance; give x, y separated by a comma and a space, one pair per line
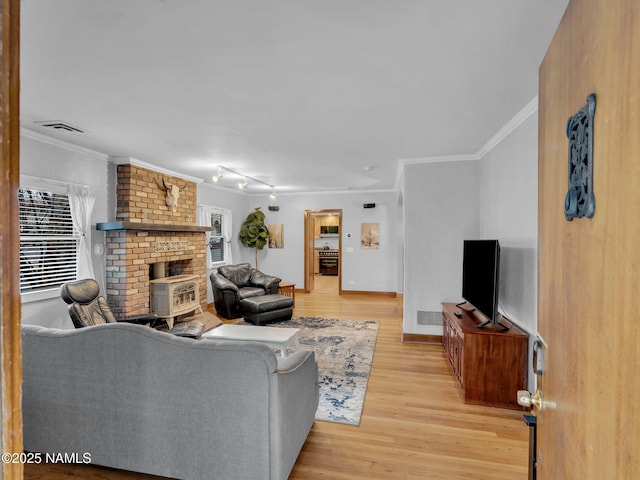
293, 360
221, 283
268, 282
292, 409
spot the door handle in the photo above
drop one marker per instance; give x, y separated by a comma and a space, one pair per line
535, 401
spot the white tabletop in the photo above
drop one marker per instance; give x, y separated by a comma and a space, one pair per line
252, 333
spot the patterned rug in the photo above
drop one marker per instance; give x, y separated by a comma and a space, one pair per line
344, 352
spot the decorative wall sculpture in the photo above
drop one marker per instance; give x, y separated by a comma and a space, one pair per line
580, 200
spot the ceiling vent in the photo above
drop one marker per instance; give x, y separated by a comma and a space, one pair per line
60, 126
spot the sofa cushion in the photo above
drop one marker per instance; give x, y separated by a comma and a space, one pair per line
247, 292
239, 274
268, 282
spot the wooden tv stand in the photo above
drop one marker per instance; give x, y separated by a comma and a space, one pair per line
489, 364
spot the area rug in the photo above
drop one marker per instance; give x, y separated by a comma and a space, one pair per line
344, 352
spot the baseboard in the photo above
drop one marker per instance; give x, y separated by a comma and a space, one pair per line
372, 294
419, 338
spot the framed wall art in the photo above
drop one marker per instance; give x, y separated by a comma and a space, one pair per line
370, 235
276, 235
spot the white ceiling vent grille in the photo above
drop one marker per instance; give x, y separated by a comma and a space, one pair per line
60, 126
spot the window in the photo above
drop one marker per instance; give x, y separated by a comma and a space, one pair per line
219, 238
48, 240
216, 239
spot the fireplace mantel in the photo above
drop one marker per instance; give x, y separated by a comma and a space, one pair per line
156, 227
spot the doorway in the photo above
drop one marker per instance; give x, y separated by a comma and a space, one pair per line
323, 251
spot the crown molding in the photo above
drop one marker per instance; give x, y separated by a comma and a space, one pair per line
40, 137
517, 120
414, 161
439, 159
297, 193
339, 192
119, 160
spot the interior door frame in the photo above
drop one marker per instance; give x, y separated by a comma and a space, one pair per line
10, 306
309, 257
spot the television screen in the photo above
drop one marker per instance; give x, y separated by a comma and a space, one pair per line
480, 275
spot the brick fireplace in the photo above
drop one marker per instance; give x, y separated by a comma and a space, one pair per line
150, 239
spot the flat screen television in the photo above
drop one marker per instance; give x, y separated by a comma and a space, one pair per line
481, 278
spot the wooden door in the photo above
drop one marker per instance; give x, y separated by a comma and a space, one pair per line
309, 251
589, 269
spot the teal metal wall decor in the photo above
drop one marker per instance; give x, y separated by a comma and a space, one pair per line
580, 200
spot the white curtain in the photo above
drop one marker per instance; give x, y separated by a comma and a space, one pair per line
226, 233
204, 220
81, 201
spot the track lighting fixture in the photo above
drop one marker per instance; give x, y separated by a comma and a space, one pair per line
244, 180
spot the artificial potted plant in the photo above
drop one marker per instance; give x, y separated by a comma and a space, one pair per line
254, 233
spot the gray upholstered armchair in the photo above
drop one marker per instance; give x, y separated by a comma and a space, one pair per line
233, 283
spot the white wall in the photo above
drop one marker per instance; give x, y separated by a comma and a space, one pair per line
447, 202
509, 212
362, 269
440, 210
53, 161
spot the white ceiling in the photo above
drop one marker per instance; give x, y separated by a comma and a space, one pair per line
306, 95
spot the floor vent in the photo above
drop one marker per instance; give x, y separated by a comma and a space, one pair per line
429, 318
60, 126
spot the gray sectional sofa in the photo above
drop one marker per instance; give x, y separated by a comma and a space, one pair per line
137, 399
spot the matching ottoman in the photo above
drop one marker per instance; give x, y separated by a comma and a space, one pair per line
266, 309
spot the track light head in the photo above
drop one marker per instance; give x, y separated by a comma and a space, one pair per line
217, 177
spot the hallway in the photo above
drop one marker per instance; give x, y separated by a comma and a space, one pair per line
325, 284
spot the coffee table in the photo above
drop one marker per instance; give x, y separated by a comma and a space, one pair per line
275, 337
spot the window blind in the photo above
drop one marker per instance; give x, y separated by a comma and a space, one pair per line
48, 240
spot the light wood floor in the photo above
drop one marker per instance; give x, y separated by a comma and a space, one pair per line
414, 425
